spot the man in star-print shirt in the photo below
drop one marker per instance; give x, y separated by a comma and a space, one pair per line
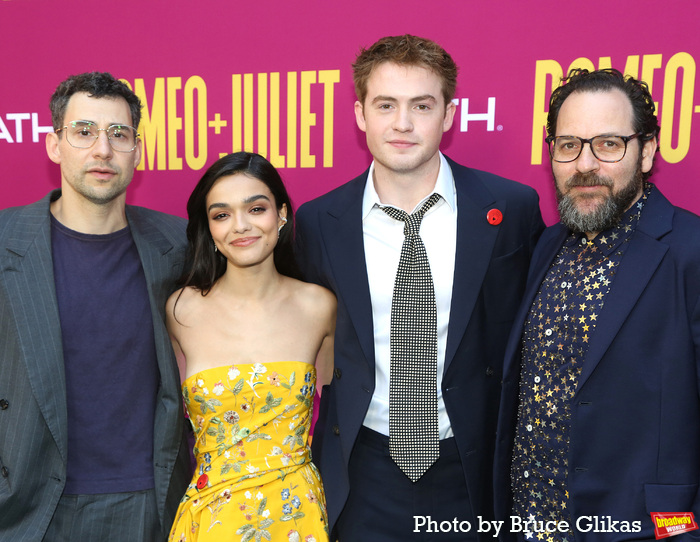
600, 412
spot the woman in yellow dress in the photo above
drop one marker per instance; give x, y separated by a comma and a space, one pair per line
252, 341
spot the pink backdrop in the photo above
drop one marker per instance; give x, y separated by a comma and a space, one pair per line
274, 77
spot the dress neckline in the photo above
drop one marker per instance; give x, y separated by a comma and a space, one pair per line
237, 365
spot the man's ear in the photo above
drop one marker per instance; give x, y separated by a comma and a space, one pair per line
360, 116
450, 110
138, 150
648, 152
52, 147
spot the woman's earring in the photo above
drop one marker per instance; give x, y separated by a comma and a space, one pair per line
284, 222
216, 249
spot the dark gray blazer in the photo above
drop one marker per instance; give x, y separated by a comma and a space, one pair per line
33, 419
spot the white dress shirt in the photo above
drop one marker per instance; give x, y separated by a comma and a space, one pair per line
383, 238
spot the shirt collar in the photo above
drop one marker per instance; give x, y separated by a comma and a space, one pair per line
444, 186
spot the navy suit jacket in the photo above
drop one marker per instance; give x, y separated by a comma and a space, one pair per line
635, 416
33, 417
490, 268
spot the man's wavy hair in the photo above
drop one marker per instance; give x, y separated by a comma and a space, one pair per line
206, 266
605, 80
406, 50
96, 85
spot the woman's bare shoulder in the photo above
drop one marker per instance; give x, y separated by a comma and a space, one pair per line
314, 304
183, 302
313, 296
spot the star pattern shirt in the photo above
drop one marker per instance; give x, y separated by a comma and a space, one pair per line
557, 332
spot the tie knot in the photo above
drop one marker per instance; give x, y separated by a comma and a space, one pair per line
413, 220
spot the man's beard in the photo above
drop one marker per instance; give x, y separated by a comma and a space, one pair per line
608, 213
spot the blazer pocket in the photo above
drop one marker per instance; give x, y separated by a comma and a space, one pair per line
504, 285
670, 497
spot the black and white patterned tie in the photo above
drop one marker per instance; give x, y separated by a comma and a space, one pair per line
413, 421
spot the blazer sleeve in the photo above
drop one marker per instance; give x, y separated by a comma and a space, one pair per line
308, 249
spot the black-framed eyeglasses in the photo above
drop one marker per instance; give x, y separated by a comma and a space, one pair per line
606, 148
82, 134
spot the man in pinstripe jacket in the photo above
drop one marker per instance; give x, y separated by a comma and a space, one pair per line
91, 425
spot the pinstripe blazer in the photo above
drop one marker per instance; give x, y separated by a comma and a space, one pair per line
33, 419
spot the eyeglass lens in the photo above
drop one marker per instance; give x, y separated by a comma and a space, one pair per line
604, 148
83, 134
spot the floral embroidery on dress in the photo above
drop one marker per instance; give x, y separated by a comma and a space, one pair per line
254, 479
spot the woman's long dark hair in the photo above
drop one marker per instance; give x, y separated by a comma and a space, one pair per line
205, 266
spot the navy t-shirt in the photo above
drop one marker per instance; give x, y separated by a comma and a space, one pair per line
110, 360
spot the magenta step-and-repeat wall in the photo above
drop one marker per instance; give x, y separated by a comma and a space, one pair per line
275, 77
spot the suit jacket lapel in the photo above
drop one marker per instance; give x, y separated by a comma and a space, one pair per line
343, 239
475, 241
158, 260
153, 248
547, 248
639, 263
27, 267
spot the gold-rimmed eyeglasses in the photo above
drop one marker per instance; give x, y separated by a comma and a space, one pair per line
82, 134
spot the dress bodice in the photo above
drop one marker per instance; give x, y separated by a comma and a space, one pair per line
254, 478
250, 419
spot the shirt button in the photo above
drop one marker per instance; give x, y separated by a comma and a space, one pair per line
336, 430
548, 332
563, 284
529, 427
584, 241
537, 380
5, 472
526, 474
4, 403
337, 372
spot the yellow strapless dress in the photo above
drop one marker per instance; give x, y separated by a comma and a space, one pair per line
254, 478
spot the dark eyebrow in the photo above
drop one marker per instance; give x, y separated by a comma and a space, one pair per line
96, 124
246, 201
251, 199
218, 206
607, 134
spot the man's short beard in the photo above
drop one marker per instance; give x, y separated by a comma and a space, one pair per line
608, 213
